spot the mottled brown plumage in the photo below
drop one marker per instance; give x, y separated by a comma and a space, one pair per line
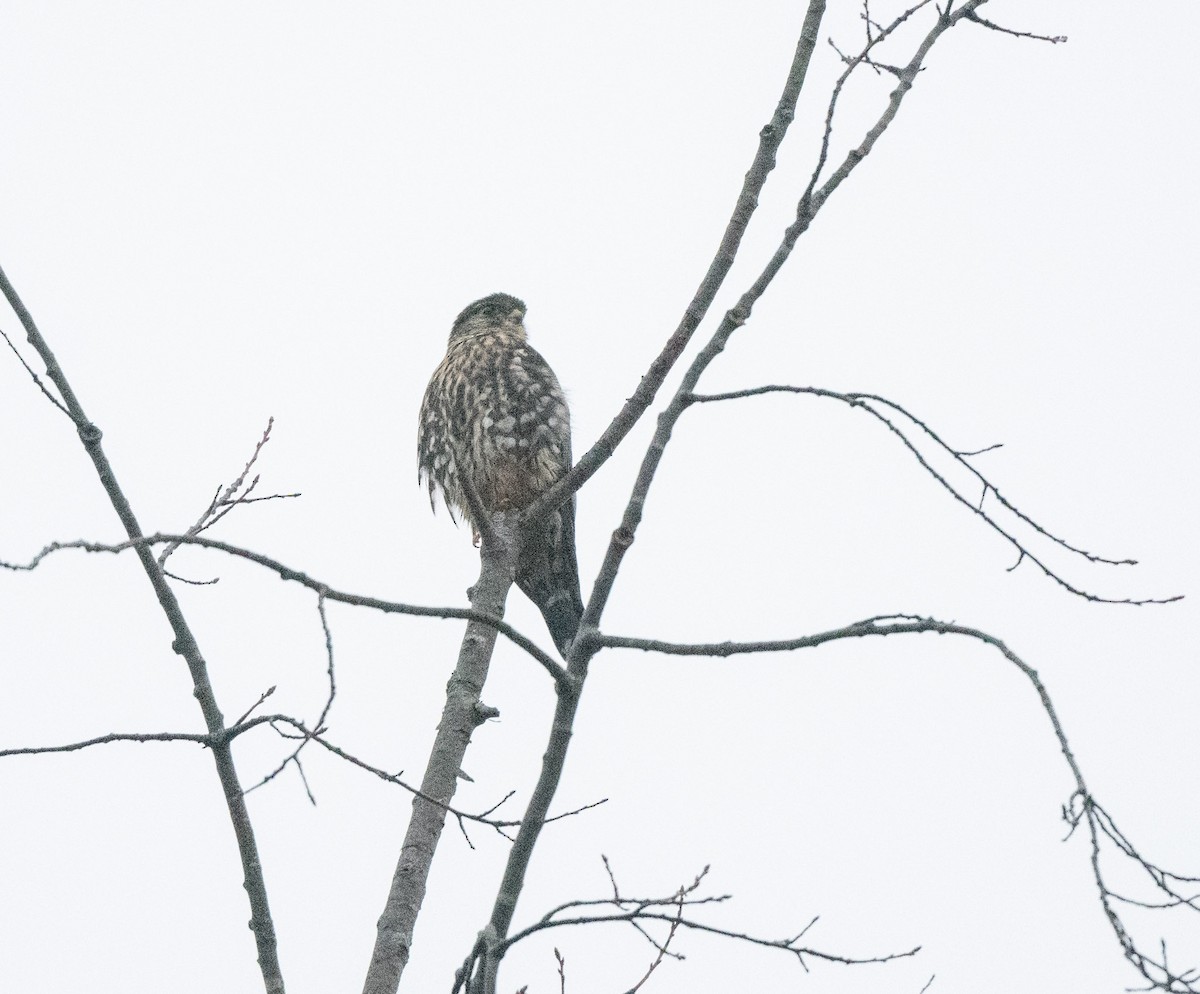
494, 413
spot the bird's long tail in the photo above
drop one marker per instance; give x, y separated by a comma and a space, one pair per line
548, 573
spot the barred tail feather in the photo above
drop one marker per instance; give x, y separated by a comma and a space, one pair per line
548, 573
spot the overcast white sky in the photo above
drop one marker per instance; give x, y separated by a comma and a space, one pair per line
222, 212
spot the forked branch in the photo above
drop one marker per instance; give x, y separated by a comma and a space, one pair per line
184, 644
1082, 809
875, 405
674, 912
225, 500
769, 139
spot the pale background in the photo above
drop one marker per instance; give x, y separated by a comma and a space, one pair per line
224, 211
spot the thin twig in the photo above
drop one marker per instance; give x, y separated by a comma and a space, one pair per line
254, 707
852, 63
36, 379
1052, 39
225, 501
320, 722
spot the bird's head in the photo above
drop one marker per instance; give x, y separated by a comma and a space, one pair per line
500, 311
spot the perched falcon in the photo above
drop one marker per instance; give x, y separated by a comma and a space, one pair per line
494, 413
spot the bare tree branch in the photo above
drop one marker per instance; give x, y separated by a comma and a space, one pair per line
670, 910
225, 501
36, 379
198, 738
665, 949
562, 972
867, 402
769, 139
184, 644
253, 707
1082, 808
462, 714
320, 722
316, 735
306, 734
784, 944
551, 666
1053, 39
813, 198
852, 63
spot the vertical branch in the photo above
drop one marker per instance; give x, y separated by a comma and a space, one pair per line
463, 713
184, 645
520, 855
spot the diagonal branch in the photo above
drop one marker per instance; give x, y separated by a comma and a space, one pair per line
184, 644
769, 139
36, 379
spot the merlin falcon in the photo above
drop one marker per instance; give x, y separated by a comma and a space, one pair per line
495, 414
